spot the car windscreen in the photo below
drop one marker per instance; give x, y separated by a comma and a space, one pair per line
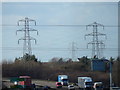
58, 83
88, 83
65, 80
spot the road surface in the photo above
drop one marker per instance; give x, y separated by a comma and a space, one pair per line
39, 83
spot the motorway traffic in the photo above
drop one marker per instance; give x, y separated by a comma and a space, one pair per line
43, 85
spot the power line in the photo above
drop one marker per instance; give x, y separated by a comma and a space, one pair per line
60, 3
59, 25
56, 49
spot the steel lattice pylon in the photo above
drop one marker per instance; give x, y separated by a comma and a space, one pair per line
97, 45
27, 38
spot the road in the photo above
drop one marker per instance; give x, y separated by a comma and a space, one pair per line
51, 84
40, 84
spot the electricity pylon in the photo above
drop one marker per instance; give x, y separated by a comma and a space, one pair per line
97, 45
27, 38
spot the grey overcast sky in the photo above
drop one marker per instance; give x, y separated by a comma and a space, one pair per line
56, 41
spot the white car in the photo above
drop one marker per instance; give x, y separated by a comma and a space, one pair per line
71, 87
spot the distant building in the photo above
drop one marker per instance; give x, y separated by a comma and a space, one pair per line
99, 64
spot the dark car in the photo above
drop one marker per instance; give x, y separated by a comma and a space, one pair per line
46, 88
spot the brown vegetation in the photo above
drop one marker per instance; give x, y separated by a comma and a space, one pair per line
50, 70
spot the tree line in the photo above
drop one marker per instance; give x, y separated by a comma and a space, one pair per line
29, 65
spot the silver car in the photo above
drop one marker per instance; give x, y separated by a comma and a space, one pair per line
71, 87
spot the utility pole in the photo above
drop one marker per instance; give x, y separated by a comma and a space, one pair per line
96, 44
102, 46
110, 73
26, 38
73, 50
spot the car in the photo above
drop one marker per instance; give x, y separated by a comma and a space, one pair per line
71, 87
98, 85
58, 85
46, 87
